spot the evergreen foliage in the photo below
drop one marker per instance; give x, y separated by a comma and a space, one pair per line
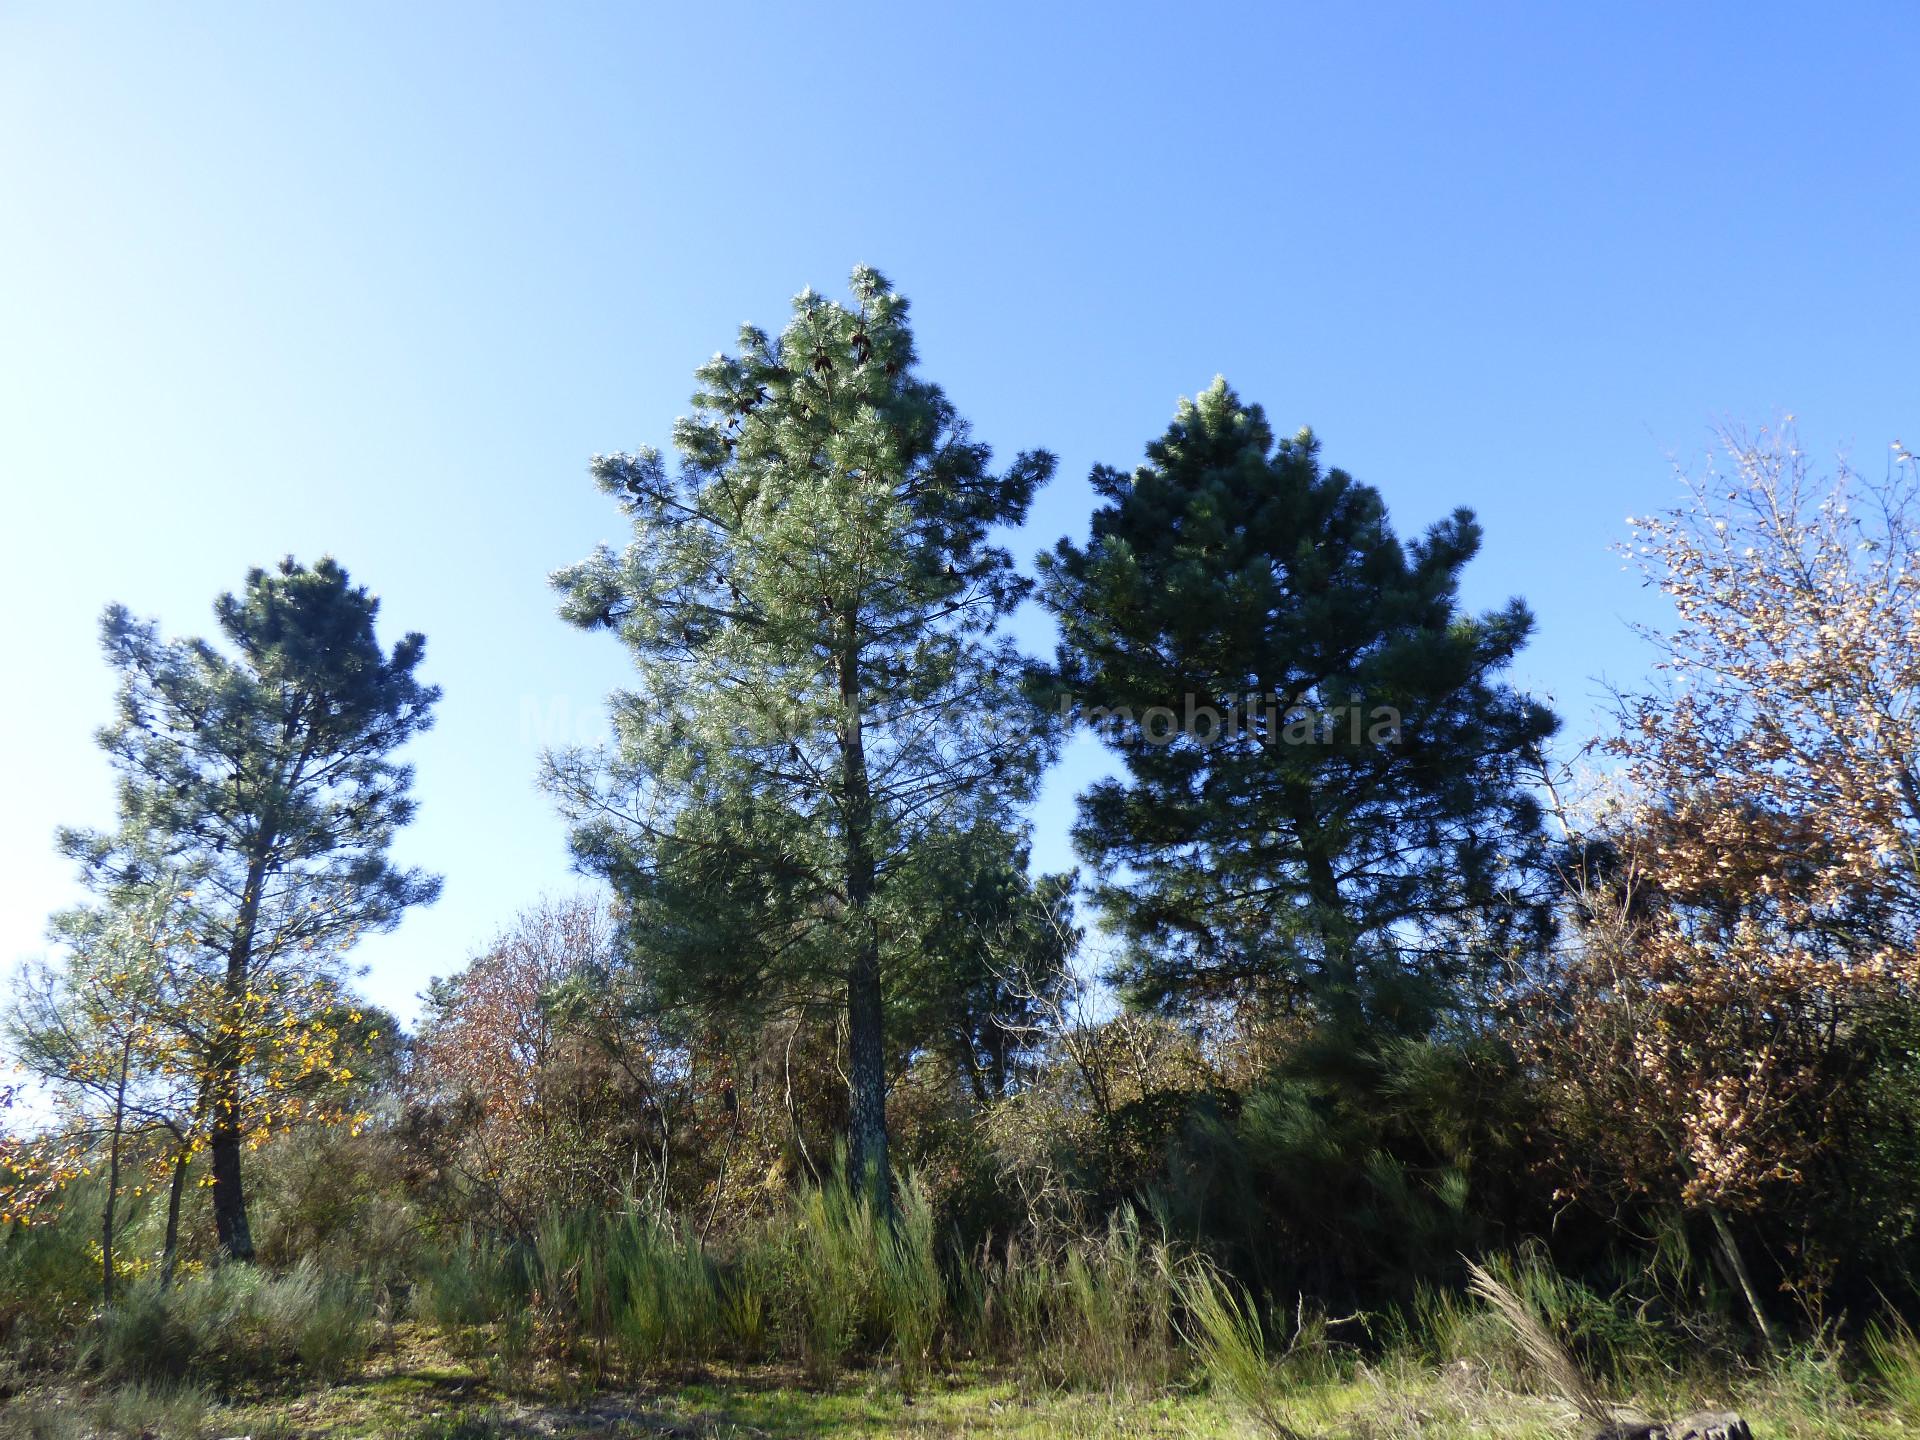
1324, 793
262, 775
824, 703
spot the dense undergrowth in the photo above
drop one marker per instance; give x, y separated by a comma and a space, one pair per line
827, 1295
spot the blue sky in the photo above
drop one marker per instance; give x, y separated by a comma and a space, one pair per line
376, 281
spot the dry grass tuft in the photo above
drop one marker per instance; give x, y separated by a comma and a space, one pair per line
1538, 1344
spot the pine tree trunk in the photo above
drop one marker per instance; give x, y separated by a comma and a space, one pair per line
866, 1021
223, 1152
223, 1144
1341, 971
170, 1251
867, 1074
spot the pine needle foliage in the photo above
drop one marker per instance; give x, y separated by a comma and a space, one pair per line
823, 698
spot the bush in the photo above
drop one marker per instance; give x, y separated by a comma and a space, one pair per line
476, 1281
235, 1322
126, 1412
49, 1280
327, 1195
147, 1335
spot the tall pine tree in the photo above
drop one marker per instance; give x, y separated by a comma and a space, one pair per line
265, 770
1324, 787
824, 702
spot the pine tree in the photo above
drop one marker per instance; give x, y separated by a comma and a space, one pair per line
986, 963
1324, 775
266, 771
824, 696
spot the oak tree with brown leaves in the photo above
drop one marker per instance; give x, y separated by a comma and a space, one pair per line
1748, 903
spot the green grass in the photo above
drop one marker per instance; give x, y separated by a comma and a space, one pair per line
412, 1387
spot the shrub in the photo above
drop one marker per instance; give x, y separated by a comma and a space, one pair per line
125, 1412
233, 1322
325, 1194
145, 1335
49, 1279
663, 1297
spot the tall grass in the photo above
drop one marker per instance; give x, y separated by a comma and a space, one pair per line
829, 1283
913, 1286
1893, 1359
1607, 1334
472, 1282
864, 1283
1226, 1335
617, 1285
1094, 1311
663, 1298
832, 1269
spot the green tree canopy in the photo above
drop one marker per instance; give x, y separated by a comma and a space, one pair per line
982, 970
266, 772
824, 697
1329, 797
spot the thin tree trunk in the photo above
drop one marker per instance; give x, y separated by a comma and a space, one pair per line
1738, 1276
975, 1080
719, 1183
113, 1174
793, 1112
170, 1252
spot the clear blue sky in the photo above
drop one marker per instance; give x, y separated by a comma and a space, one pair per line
377, 280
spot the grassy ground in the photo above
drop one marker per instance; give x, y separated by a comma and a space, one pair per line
413, 1388
416, 1393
